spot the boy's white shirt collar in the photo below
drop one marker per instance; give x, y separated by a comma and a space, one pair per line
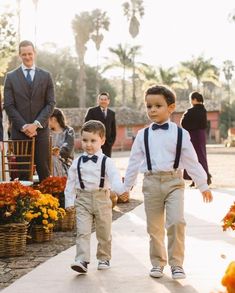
98, 153
167, 121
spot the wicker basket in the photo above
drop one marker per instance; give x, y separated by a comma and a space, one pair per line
67, 223
39, 234
13, 239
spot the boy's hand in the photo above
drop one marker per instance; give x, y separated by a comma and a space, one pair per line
207, 196
124, 197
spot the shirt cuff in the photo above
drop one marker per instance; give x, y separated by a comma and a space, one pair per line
203, 187
37, 123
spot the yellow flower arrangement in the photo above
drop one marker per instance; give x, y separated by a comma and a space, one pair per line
15, 201
54, 185
45, 211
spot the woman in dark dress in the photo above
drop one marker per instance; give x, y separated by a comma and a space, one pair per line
195, 121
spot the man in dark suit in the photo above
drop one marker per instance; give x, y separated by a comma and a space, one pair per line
107, 117
29, 102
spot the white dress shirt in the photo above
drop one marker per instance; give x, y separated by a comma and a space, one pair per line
162, 149
90, 173
32, 71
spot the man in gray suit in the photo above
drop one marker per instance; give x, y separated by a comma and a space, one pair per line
29, 102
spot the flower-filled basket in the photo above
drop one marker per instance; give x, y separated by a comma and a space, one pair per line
54, 185
43, 214
68, 222
15, 201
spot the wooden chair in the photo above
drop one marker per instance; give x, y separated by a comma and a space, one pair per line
50, 156
18, 159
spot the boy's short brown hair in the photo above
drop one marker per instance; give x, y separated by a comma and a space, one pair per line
163, 90
94, 126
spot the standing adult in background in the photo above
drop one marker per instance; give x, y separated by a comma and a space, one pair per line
29, 101
107, 117
62, 143
195, 121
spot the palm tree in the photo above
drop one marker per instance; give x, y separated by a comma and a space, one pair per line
100, 22
201, 69
134, 51
168, 76
124, 61
131, 11
82, 27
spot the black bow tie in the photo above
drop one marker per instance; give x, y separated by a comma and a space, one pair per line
164, 126
94, 158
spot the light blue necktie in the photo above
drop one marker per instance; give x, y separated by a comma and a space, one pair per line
28, 77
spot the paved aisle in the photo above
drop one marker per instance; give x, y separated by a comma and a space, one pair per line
204, 265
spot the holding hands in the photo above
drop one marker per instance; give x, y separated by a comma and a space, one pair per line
124, 196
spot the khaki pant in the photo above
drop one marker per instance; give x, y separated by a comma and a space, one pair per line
164, 207
96, 207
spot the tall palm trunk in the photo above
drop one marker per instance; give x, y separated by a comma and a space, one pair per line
81, 84
124, 86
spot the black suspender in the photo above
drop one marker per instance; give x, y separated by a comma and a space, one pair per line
79, 173
146, 144
102, 173
178, 148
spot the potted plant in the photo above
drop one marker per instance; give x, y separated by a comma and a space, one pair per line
54, 185
43, 214
15, 201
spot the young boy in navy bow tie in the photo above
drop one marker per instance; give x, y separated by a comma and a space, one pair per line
90, 178
161, 151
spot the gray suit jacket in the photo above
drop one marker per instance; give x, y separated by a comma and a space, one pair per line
24, 103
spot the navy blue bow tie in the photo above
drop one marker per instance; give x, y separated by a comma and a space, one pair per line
94, 158
164, 126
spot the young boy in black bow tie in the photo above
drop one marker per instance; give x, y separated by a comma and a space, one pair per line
90, 178
161, 151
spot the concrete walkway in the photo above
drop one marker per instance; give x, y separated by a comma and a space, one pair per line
208, 252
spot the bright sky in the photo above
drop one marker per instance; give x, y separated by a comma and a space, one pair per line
171, 30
